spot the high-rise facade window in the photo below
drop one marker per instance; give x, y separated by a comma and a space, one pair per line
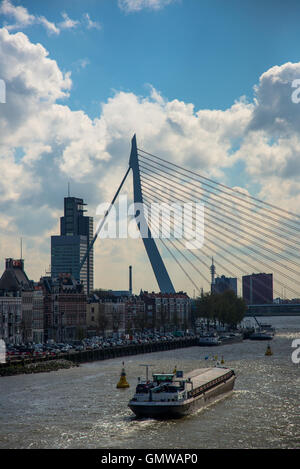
69, 248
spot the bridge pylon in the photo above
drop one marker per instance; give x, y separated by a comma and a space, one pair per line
161, 274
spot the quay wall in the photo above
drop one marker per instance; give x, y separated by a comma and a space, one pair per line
127, 350
85, 356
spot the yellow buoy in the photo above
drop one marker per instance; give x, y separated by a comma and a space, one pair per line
123, 383
269, 351
222, 361
175, 370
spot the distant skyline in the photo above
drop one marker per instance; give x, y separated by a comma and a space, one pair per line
205, 84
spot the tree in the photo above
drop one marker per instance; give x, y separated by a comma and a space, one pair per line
225, 307
241, 308
206, 307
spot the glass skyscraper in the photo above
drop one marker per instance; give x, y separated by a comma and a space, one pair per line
68, 249
258, 289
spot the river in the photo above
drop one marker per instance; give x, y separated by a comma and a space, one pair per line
81, 407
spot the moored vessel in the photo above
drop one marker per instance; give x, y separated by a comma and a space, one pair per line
231, 338
209, 341
172, 395
263, 332
261, 335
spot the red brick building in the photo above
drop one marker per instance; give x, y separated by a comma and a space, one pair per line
65, 304
167, 311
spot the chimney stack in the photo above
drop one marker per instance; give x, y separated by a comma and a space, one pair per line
130, 280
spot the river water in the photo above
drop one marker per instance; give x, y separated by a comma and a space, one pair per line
81, 407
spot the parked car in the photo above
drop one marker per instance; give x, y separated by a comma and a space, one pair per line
79, 348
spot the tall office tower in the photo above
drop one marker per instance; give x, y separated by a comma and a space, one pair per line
225, 283
258, 289
68, 249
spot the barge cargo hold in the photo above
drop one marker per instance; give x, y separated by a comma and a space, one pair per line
174, 395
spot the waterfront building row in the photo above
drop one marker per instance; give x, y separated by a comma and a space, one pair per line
58, 309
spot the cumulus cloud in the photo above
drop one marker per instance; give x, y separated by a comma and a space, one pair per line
271, 145
44, 144
275, 112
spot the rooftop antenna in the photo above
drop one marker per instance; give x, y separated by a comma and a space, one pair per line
68, 189
130, 280
21, 249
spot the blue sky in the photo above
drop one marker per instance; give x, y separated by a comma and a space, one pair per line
208, 53
83, 77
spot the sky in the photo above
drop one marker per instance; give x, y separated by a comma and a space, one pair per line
205, 84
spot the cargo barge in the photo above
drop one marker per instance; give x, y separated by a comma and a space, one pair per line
173, 395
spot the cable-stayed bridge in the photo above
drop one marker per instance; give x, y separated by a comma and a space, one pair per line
245, 234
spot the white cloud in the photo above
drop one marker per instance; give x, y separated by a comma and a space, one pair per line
90, 23
81, 64
271, 145
18, 13
24, 19
51, 28
68, 23
137, 5
44, 144
275, 111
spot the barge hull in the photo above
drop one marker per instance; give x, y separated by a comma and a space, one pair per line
175, 410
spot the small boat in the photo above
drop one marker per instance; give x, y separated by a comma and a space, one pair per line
170, 395
209, 339
261, 335
231, 338
268, 328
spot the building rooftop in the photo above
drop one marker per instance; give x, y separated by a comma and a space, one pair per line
14, 277
165, 295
